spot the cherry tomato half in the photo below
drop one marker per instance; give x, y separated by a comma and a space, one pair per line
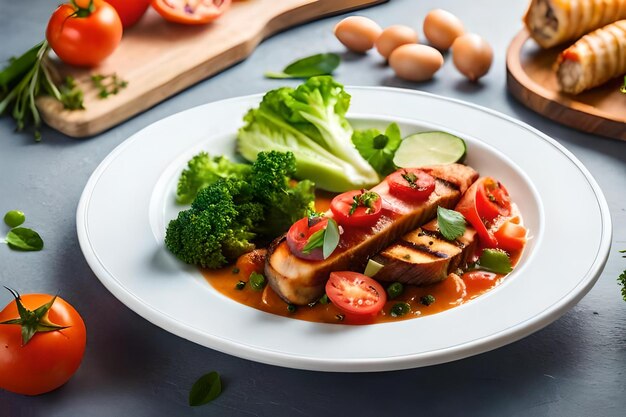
130, 11
357, 208
411, 184
191, 12
492, 199
357, 295
299, 234
83, 37
49, 359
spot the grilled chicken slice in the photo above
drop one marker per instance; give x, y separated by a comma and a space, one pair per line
301, 282
424, 257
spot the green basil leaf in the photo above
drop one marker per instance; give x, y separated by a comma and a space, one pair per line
316, 240
207, 388
331, 238
451, 223
495, 260
21, 238
320, 64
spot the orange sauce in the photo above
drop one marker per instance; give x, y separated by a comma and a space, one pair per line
449, 293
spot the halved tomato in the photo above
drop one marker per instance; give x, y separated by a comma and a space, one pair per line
357, 208
492, 199
299, 234
191, 12
411, 184
358, 296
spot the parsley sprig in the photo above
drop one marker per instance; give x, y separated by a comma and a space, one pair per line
365, 199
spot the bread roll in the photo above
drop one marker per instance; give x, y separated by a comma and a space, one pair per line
593, 59
551, 22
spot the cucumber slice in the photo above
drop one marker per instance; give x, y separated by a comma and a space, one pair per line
372, 268
429, 148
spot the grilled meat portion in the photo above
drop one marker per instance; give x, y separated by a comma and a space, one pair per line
423, 256
300, 281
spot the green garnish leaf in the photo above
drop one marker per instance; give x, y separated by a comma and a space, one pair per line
495, 260
324, 299
622, 281
364, 199
71, 95
207, 388
107, 85
316, 240
451, 223
24, 239
377, 148
14, 218
257, 281
319, 64
331, 238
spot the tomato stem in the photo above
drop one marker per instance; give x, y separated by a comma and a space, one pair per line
82, 11
32, 321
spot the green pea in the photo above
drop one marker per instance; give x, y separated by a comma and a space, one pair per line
427, 300
400, 309
257, 281
240, 285
291, 308
395, 290
14, 218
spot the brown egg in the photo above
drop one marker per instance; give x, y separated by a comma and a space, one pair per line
394, 36
441, 28
472, 56
357, 33
415, 62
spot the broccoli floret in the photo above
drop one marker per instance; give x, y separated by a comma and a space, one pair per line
271, 184
217, 229
203, 170
228, 216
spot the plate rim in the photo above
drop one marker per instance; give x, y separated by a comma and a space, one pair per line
466, 349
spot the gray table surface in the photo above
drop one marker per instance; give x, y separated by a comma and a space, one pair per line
574, 367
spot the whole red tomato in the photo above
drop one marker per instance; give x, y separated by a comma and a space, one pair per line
130, 11
49, 358
85, 32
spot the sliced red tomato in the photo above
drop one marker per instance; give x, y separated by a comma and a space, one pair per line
299, 234
358, 296
130, 11
411, 184
492, 199
191, 12
511, 236
477, 281
357, 208
467, 207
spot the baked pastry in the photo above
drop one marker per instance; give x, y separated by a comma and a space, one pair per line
593, 59
551, 22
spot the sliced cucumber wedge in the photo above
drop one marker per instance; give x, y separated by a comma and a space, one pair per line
429, 148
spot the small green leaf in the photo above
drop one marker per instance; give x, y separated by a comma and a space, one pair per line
21, 238
207, 388
14, 218
316, 240
320, 64
451, 223
331, 238
495, 260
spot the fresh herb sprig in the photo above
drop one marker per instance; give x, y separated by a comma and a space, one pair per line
319, 64
365, 199
27, 77
108, 85
207, 388
622, 277
451, 223
326, 238
21, 238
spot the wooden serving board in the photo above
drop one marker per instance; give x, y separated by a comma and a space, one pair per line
532, 80
159, 58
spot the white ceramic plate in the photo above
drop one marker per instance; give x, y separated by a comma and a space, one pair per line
129, 199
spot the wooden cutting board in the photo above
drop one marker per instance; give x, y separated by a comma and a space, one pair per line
160, 59
532, 80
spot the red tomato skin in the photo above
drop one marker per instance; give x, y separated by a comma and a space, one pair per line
176, 16
355, 314
298, 236
399, 187
511, 237
467, 207
341, 205
84, 41
501, 204
49, 359
130, 11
